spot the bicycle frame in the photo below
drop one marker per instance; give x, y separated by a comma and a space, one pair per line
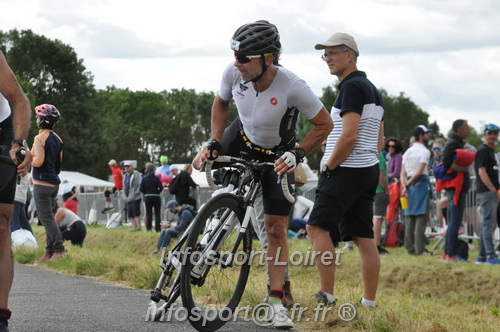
211, 242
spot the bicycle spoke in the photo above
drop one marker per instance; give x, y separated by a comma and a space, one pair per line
223, 284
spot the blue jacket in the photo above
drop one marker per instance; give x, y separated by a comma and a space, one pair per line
186, 215
151, 185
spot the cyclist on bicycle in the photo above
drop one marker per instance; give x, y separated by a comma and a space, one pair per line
269, 99
14, 127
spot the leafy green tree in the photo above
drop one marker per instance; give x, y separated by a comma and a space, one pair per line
401, 115
51, 73
143, 125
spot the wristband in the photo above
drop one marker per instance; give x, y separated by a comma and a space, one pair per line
300, 154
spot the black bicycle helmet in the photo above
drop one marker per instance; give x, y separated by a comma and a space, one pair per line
256, 38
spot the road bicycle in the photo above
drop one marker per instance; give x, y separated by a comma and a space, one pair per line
210, 264
219, 246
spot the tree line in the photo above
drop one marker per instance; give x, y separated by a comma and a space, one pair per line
101, 124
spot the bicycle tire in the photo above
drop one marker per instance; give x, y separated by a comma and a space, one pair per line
211, 299
169, 279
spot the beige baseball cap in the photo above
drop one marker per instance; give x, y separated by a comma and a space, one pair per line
340, 38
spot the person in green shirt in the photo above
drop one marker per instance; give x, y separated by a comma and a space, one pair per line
381, 200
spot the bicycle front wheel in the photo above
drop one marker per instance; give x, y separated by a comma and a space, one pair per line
216, 270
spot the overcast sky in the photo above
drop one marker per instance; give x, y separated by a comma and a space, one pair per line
443, 54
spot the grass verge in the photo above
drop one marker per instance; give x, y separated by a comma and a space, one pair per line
416, 293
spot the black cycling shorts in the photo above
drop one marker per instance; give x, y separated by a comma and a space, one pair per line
8, 171
275, 202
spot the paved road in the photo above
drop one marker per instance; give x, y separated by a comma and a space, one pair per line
43, 300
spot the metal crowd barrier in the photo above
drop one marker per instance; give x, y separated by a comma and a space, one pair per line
89, 201
436, 226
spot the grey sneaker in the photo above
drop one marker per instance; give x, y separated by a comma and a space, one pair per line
322, 298
108, 210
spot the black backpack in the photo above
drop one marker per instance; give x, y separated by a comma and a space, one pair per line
463, 249
173, 187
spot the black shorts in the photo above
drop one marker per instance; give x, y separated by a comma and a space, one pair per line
8, 171
274, 200
134, 208
345, 200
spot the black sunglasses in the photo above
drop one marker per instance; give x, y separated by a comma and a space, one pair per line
247, 58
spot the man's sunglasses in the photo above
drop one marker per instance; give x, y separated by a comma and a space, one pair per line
247, 58
437, 148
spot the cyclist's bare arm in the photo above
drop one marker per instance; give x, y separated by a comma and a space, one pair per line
12, 91
323, 125
220, 116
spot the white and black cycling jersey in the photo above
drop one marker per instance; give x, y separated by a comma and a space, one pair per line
4, 108
269, 118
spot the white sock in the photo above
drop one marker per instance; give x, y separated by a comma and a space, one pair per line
329, 297
367, 303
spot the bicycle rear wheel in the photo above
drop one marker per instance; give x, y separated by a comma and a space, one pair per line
210, 294
167, 288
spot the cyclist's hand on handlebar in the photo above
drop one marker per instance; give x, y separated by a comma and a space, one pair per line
200, 158
286, 163
24, 167
209, 151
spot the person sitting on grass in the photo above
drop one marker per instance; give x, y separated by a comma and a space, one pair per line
71, 225
185, 216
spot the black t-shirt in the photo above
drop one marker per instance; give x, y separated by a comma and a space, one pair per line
485, 157
185, 182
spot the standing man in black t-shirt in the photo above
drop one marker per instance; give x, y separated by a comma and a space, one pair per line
14, 127
487, 194
456, 141
347, 184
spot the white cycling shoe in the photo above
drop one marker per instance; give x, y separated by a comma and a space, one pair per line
280, 318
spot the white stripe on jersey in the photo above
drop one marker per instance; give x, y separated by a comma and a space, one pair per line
364, 152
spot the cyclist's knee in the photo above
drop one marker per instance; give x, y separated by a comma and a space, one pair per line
277, 229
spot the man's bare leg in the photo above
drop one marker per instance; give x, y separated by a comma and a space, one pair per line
322, 243
370, 266
277, 249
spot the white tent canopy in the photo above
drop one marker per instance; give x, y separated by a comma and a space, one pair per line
83, 180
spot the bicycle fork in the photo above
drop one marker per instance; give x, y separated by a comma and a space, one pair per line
211, 244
